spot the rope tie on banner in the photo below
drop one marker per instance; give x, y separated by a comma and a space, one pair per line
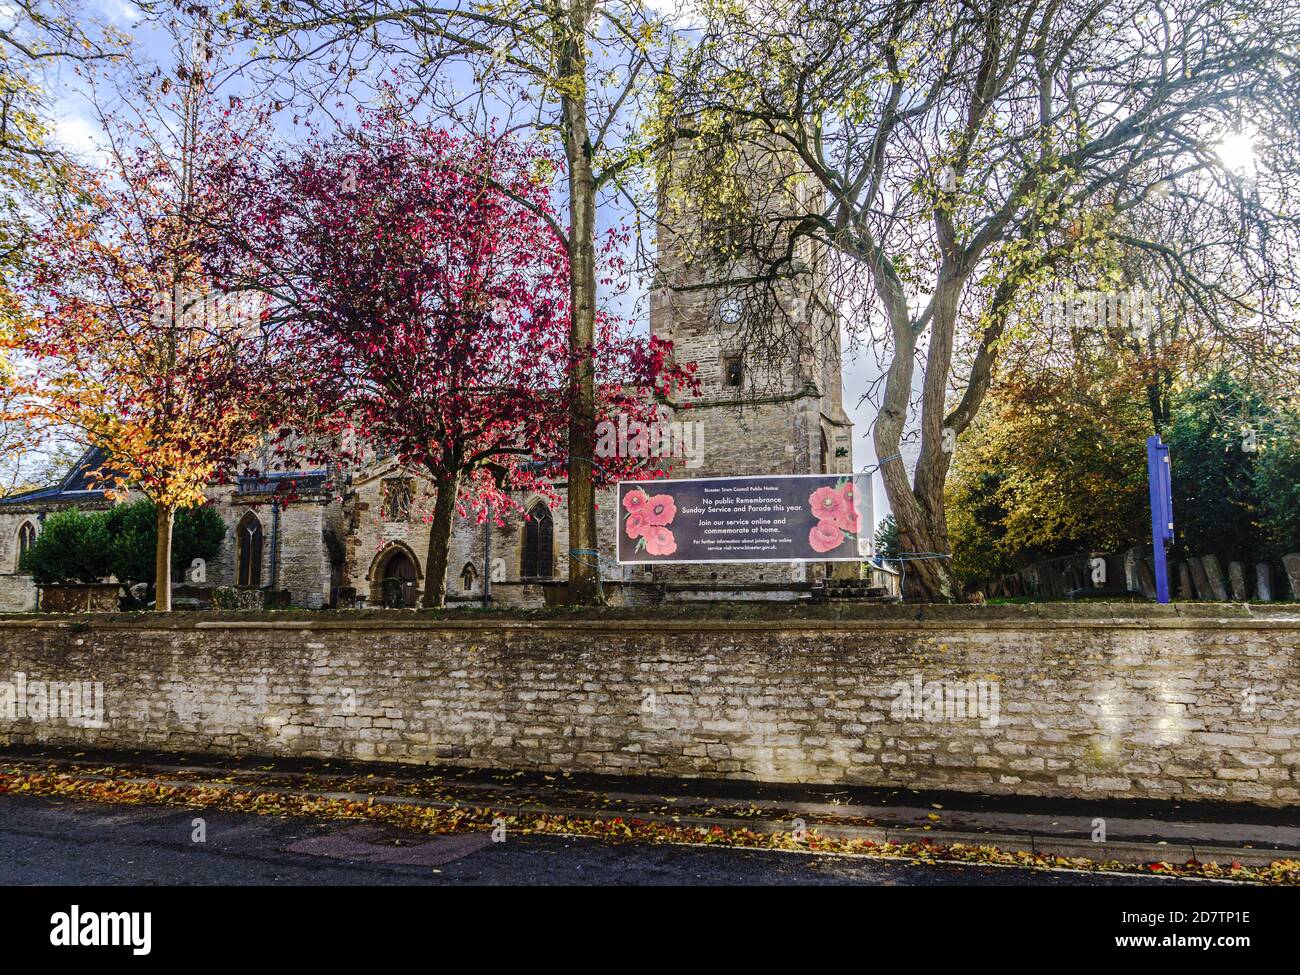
579, 555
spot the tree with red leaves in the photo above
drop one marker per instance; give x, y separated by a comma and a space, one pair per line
419, 278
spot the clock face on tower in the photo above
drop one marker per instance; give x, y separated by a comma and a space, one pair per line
731, 310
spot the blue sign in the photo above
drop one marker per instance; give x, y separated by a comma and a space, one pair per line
1159, 478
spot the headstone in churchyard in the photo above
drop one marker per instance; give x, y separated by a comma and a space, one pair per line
1264, 582
1214, 576
1199, 579
1292, 565
1146, 579
1237, 578
1185, 582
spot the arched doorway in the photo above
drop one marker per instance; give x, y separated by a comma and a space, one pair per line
395, 580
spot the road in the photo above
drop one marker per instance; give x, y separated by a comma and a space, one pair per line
44, 841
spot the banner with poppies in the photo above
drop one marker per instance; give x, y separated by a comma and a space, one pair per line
784, 518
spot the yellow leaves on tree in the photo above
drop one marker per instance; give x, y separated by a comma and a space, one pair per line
124, 346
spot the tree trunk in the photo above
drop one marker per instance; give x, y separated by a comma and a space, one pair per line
435, 564
918, 507
584, 565
162, 566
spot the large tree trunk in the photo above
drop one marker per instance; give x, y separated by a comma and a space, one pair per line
584, 565
435, 564
919, 507
162, 565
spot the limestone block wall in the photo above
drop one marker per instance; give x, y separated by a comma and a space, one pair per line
17, 592
1115, 701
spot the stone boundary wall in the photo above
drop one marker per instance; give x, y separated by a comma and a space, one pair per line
1158, 705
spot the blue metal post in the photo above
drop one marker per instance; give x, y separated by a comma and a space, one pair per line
1162, 511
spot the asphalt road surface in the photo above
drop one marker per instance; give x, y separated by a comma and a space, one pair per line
44, 841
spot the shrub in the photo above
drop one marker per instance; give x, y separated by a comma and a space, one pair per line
196, 534
225, 597
72, 547
120, 542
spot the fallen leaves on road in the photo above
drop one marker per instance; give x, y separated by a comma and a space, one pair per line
432, 819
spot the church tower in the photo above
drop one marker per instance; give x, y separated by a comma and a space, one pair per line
769, 363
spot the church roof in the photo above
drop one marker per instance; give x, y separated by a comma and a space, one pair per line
287, 482
75, 486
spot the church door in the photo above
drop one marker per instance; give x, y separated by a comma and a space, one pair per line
401, 570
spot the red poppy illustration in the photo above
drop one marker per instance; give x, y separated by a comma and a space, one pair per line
848, 520
828, 503
660, 510
825, 536
647, 520
836, 511
635, 525
659, 540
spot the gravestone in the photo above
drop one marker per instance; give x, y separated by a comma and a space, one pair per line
1146, 579
1214, 577
1292, 565
1237, 578
1131, 559
1199, 579
1185, 582
1264, 582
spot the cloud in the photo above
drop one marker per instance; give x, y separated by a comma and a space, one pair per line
120, 10
81, 137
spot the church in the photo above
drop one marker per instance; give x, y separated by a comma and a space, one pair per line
359, 539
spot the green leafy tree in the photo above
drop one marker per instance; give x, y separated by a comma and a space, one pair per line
133, 529
1055, 465
199, 534
1277, 482
1216, 506
886, 538
118, 543
1069, 475
72, 547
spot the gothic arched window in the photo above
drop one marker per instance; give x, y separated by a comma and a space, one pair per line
26, 537
468, 575
248, 545
539, 552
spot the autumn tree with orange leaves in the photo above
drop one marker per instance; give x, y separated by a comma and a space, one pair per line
124, 344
